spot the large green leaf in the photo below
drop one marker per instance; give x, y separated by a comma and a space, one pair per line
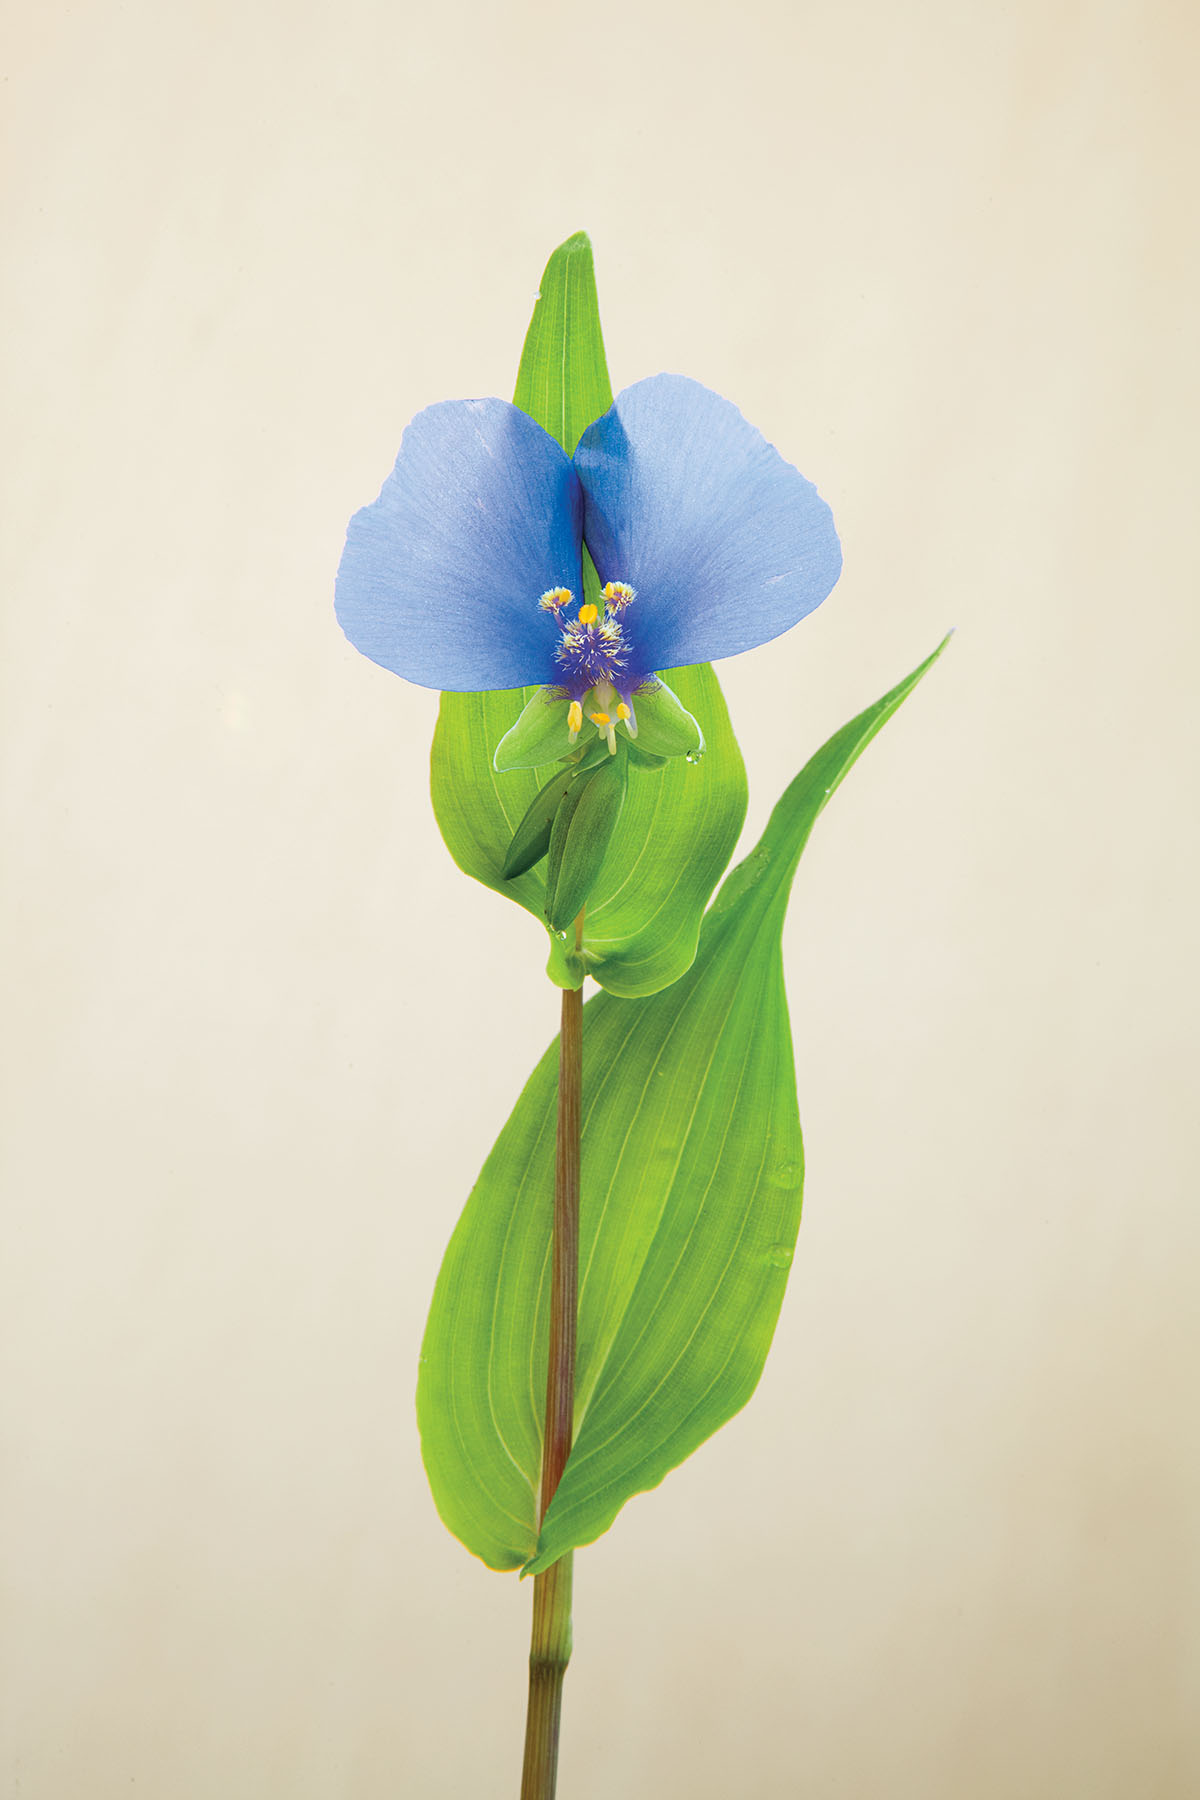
680, 823
692, 1172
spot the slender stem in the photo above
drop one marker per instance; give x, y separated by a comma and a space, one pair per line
550, 1644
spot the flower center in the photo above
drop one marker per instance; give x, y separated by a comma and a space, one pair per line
592, 653
593, 646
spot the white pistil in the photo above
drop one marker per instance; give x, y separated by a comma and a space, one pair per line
605, 728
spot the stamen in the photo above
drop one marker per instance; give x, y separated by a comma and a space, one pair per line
624, 712
574, 719
593, 645
600, 718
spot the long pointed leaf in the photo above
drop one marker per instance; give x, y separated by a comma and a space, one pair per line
692, 1171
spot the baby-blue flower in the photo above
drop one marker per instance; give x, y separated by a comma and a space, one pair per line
466, 572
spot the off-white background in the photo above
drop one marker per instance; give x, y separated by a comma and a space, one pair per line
260, 1032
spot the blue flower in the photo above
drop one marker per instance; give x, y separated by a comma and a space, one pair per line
466, 573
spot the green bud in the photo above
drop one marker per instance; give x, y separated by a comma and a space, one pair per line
583, 826
531, 839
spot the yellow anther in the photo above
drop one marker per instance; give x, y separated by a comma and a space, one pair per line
618, 594
623, 711
599, 718
588, 614
574, 719
554, 599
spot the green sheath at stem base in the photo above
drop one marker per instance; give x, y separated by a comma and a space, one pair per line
549, 1653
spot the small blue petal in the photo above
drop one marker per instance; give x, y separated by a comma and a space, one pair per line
726, 544
440, 578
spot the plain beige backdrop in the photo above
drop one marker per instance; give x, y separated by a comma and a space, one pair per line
260, 1032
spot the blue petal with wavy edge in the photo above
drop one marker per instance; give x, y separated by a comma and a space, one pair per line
440, 578
726, 544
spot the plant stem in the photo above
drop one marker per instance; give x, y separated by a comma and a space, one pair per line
549, 1653
550, 1644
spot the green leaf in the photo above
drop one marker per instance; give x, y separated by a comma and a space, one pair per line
679, 825
692, 1168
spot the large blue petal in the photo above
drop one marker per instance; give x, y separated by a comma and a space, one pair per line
726, 544
440, 578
